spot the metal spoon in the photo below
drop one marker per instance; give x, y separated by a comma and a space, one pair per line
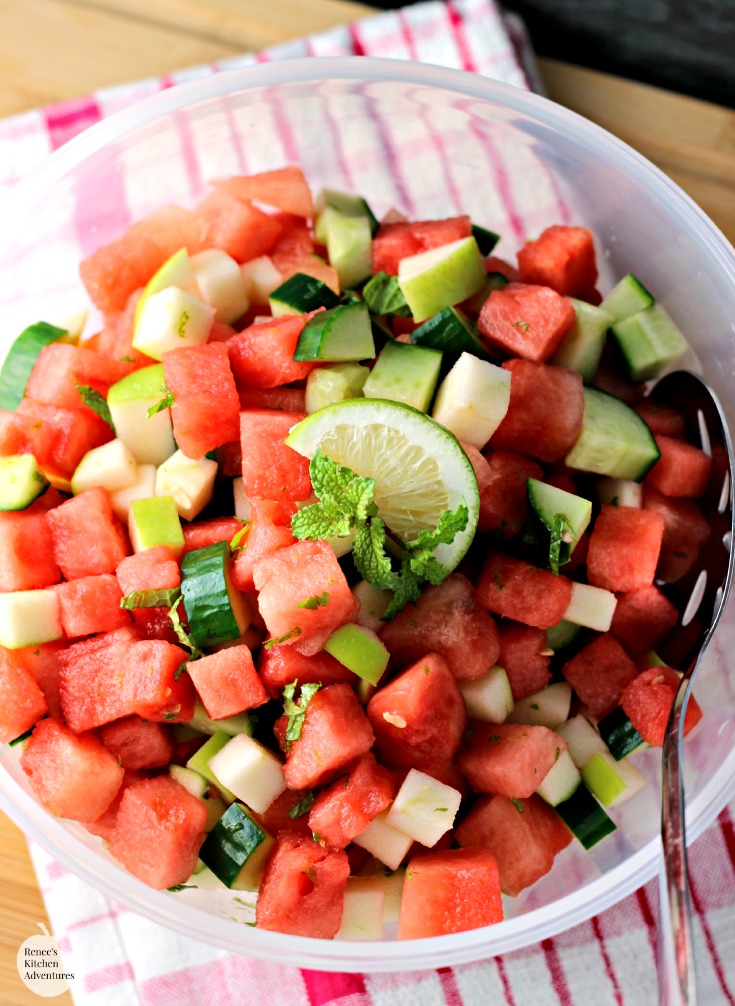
701, 594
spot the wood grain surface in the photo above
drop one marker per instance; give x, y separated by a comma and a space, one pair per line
56, 49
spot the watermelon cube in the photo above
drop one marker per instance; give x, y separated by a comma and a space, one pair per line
206, 409
280, 665
26, 552
394, 241
293, 252
335, 731
87, 537
155, 686
302, 889
682, 470
261, 356
503, 491
238, 228
91, 604
517, 590
137, 743
511, 759
292, 575
446, 620
525, 320
104, 826
524, 656
624, 548
285, 188
59, 438
22, 702
544, 417
642, 619
277, 818
346, 808
158, 831
449, 892
227, 682
563, 258
15, 433
661, 419
418, 718
151, 569
523, 835
270, 469
648, 699
92, 679
269, 530
72, 776
685, 531
43, 662
60, 367
282, 399
209, 532
599, 674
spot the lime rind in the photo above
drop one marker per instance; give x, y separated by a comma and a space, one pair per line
419, 467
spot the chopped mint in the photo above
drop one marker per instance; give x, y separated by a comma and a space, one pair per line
183, 887
517, 804
295, 710
561, 530
383, 295
315, 601
149, 599
296, 631
302, 807
166, 402
181, 634
235, 545
523, 325
96, 402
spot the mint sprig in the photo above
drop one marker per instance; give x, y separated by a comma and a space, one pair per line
295, 710
383, 295
561, 531
166, 402
96, 402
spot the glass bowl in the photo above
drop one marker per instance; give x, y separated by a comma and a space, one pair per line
430, 142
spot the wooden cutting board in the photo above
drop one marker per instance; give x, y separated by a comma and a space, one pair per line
56, 49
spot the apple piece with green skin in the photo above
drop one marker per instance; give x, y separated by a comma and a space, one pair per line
149, 439
472, 400
612, 782
349, 247
424, 808
221, 284
111, 466
143, 487
250, 771
359, 650
175, 271
189, 483
153, 522
170, 319
387, 844
29, 618
441, 277
490, 697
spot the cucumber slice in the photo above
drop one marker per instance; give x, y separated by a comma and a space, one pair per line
199, 762
29, 618
546, 708
619, 734
582, 346
335, 383
582, 738
346, 204
592, 607
450, 331
561, 635
407, 374
21, 481
217, 612
486, 240
232, 725
627, 297
614, 440
649, 342
236, 849
22, 355
341, 334
612, 782
561, 782
192, 781
360, 651
585, 818
564, 516
300, 294
490, 697
153, 522
473, 399
440, 277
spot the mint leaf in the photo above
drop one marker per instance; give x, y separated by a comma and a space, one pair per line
96, 402
316, 522
315, 601
450, 524
329, 478
235, 545
302, 807
149, 599
429, 568
295, 711
406, 588
561, 531
370, 557
296, 631
383, 295
181, 634
166, 402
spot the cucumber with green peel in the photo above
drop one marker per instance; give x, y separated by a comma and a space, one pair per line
193, 782
585, 818
619, 734
561, 635
216, 611
300, 294
486, 240
614, 440
21, 357
452, 332
583, 344
236, 849
341, 334
21, 481
649, 342
628, 296
335, 382
403, 373
199, 762
564, 516
155, 521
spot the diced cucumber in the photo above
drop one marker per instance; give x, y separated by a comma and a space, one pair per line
450, 331
619, 492
150, 440
383, 296
232, 725
585, 818
21, 357
619, 734
217, 612
546, 708
561, 781
486, 240
153, 522
611, 782
192, 781
473, 399
336, 383
250, 771
387, 844
301, 293
592, 607
360, 650
260, 278
189, 483
171, 319
349, 243
143, 488
614, 439
112, 466
441, 277
649, 342
29, 618
627, 297
582, 738
221, 284
362, 914
372, 604
490, 697
21, 481
339, 335
236, 849
199, 762
561, 635
564, 516
407, 374
424, 808
582, 346
346, 204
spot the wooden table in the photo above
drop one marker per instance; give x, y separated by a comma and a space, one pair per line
56, 49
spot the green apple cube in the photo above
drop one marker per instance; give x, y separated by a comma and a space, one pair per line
150, 440
153, 522
372, 604
29, 618
441, 277
612, 782
112, 466
193, 782
582, 739
260, 278
546, 708
582, 346
387, 844
171, 319
232, 725
362, 914
488, 698
250, 771
143, 487
175, 271
199, 762
334, 383
473, 399
189, 483
424, 808
407, 374
360, 650
221, 284
560, 781
592, 607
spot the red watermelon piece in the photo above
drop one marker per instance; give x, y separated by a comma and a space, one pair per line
503, 491
15, 433
227, 682
510, 759
624, 548
524, 657
60, 367
661, 419
91, 604
43, 663
283, 399
72, 776
685, 531
270, 469
642, 619
262, 355
681, 471
154, 685
599, 674
206, 409
285, 188
346, 808
59, 438
449, 891
209, 532
562, 258
87, 537
92, 679
648, 699
280, 665
517, 590
237, 227
269, 530
22, 702
26, 552
396, 241
151, 569
294, 252
138, 743
277, 818
525, 320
